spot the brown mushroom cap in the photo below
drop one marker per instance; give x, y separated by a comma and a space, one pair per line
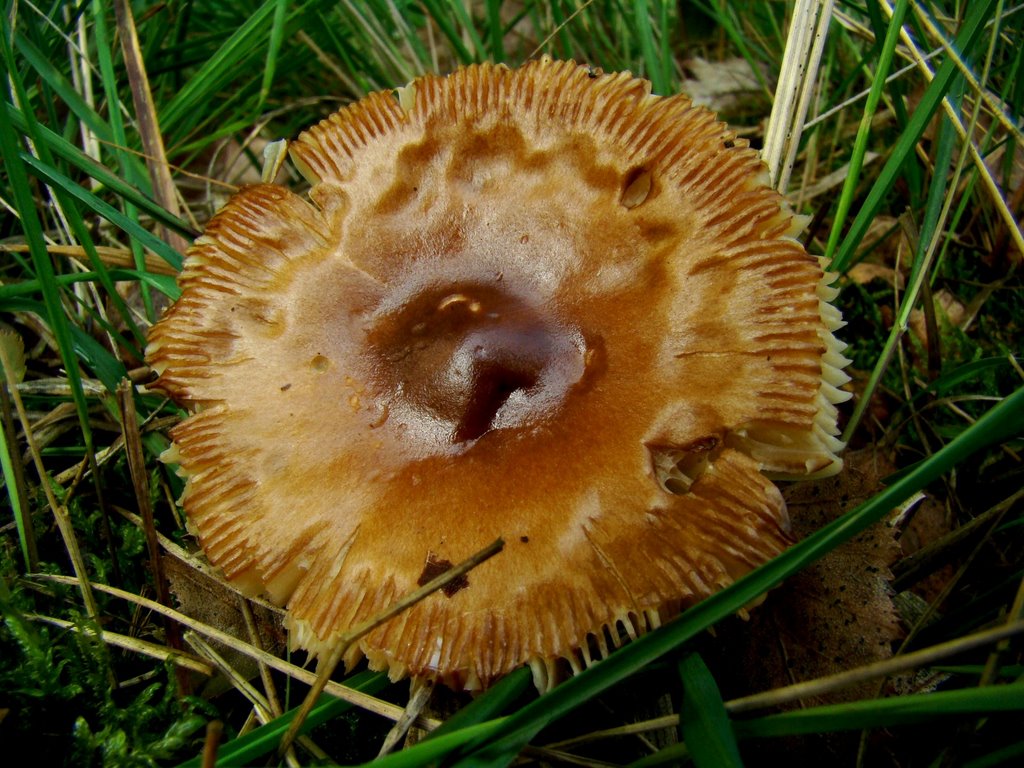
535, 303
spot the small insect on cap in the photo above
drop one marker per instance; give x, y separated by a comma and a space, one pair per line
535, 303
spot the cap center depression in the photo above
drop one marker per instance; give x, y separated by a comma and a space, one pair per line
454, 362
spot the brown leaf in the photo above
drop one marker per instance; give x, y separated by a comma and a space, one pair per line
206, 599
837, 613
719, 85
864, 272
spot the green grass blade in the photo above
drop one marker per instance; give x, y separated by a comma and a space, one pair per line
962, 374
25, 204
108, 77
860, 144
977, 14
223, 71
946, 143
52, 176
469, 28
432, 751
461, 52
192, 101
489, 704
79, 229
655, 67
865, 714
367, 25
166, 284
401, 15
722, 12
1011, 755
67, 151
53, 77
104, 366
884, 713
560, 24
273, 48
703, 720
83, 235
93, 355
495, 30
22, 517
923, 257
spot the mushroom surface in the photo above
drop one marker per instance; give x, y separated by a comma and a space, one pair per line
534, 303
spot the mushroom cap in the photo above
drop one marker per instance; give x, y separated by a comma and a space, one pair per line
534, 303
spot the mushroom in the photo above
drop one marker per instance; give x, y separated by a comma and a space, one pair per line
534, 303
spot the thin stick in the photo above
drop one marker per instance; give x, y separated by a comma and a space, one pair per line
630, 729
214, 729
327, 665
114, 257
418, 698
269, 689
260, 705
557, 29
163, 653
140, 481
869, 672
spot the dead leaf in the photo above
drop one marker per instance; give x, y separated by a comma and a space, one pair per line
719, 85
828, 182
864, 272
837, 613
834, 615
209, 601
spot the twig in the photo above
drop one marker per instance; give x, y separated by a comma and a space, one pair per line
559, 28
254, 637
213, 733
140, 481
115, 257
260, 704
870, 671
418, 698
630, 729
163, 653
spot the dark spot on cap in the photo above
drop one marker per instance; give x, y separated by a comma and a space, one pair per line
434, 568
524, 539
